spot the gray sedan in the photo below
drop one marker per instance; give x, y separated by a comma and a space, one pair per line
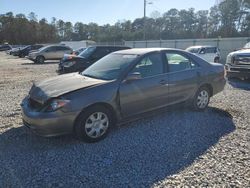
119, 87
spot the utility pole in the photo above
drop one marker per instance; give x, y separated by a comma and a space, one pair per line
144, 20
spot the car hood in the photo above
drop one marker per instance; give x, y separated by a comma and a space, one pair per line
54, 87
242, 52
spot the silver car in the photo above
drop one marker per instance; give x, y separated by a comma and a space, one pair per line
117, 88
52, 52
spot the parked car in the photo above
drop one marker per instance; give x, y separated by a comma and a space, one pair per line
27, 49
209, 53
119, 87
15, 51
52, 52
5, 47
238, 63
79, 63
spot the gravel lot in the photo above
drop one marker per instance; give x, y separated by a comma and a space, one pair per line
173, 148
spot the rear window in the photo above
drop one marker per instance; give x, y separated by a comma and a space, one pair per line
62, 48
193, 50
211, 50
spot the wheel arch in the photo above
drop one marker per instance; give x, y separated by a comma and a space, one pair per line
209, 86
103, 104
41, 56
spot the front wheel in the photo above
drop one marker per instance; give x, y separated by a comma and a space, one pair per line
93, 124
40, 59
201, 99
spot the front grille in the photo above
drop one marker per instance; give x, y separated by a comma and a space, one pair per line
243, 61
240, 70
34, 104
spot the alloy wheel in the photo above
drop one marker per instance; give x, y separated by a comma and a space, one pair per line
202, 99
96, 124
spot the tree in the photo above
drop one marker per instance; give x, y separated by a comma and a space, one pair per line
32, 17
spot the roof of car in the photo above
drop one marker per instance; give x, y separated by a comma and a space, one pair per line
141, 51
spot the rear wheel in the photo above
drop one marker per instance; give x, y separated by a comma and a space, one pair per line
93, 124
201, 99
40, 59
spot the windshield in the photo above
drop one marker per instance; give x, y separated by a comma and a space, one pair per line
247, 45
87, 52
109, 67
193, 50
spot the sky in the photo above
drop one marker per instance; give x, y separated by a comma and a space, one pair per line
97, 11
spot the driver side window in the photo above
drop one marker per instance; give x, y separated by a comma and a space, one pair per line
150, 65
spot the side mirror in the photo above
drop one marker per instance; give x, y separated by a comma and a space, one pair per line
133, 76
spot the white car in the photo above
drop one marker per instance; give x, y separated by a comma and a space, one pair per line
209, 53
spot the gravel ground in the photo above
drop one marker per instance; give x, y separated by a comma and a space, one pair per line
174, 148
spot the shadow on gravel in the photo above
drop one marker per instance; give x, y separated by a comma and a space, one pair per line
240, 84
45, 63
141, 154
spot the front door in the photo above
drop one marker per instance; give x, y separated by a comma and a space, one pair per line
147, 93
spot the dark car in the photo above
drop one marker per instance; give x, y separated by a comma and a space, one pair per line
5, 47
238, 63
27, 49
90, 55
119, 87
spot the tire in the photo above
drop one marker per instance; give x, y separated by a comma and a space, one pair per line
201, 99
40, 59
217, 60
21, 55
93, 124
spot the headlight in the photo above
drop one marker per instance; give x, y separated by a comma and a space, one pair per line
235, 60
56, 104
229, 59
69, 64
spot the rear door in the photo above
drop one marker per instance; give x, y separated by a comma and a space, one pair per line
149, 92
183, 76
61, 50
210, 53
50, 52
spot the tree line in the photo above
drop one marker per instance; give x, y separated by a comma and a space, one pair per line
230, 18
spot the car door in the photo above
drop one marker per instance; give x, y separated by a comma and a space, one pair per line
183, 77
50, 52
59, 52
210, 53
147, 93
